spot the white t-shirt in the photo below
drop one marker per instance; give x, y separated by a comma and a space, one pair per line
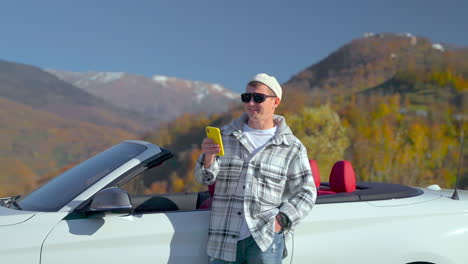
257, 138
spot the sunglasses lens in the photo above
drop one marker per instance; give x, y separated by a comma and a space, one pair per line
246, 97
259, 98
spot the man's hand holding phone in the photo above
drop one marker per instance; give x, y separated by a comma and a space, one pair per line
212, 145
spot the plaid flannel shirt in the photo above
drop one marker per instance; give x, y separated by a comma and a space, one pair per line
278, 179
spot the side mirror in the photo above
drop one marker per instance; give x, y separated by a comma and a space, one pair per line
111, 200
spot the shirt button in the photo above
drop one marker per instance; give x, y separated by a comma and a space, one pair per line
234, 236
243, 187
239, 213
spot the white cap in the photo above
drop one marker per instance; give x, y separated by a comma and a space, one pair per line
269, 81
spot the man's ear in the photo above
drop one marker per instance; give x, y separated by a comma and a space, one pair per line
277, 101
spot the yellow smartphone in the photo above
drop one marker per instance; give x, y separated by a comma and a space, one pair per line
215, 134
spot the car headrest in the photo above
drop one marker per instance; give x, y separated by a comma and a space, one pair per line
342, 177
206, 204
156, 204
211, 189
315, 172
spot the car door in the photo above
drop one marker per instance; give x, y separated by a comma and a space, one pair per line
170, 237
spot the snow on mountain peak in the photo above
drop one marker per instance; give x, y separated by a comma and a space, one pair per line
409, 35
218, 87
232, 95
87, 79
160, 79
221, 89
200, 91
96, 80
438, 46
106, 77
413, 38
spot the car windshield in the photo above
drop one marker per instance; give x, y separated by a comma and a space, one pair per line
58, 192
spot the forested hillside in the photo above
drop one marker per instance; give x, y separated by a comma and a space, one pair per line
34, 143
46, 124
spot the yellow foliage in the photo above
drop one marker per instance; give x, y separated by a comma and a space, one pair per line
177, 183
402, 148
447, 78
158, 187
461, 84
322, 133
16, 178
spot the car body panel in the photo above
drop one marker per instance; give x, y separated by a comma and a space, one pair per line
148, 238
363, 233
427, 197
12, 217
21, 243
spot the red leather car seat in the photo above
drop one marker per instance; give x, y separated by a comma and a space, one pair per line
342, 177
211, 189
207, 203
315, 172
316, 175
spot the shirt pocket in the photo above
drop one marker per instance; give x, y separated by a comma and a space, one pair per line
270, 184
229, 175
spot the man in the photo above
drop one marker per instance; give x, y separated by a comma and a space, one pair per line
264, 183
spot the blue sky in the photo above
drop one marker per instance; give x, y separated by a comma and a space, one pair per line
223, 42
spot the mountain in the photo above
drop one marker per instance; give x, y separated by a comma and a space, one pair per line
46, 123
36, 142
160, 97
374, 59
41, 90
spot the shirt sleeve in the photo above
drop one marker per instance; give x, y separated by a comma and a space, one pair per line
204, 175
301, 192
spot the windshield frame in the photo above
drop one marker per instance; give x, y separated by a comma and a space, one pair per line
34, 200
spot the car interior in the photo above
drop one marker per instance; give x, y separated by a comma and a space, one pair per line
341, 187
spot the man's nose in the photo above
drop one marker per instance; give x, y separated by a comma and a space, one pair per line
251, 102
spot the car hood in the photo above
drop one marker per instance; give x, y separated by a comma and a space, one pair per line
12, 217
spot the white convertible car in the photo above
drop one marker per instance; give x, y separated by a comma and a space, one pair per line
86, 215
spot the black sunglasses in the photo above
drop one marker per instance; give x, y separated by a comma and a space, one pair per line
257, 97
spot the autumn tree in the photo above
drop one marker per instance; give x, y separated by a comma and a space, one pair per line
322, 133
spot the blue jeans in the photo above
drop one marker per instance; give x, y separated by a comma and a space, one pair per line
249, 253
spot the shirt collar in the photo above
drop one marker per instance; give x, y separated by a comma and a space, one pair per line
235, 129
